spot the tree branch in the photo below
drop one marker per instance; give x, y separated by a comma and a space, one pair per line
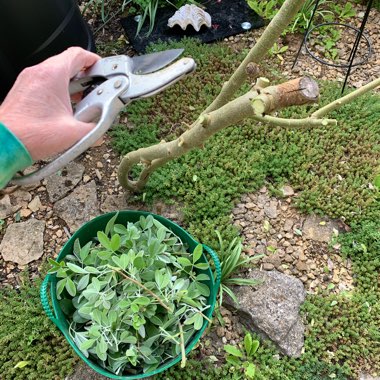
209, 124
346, 99
270, 35
293, 93
303, 123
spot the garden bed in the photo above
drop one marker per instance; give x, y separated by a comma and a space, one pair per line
332, 172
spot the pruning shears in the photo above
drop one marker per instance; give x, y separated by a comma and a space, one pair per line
114, 83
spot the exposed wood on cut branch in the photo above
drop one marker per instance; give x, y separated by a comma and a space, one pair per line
295, 92
261, 83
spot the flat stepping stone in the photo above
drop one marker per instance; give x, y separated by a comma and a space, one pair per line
23, 242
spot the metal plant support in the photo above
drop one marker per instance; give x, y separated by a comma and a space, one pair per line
359, 34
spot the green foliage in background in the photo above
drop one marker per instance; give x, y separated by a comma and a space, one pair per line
31, 346
327, 11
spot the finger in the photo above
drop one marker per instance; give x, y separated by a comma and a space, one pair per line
79, 59
74, 60
76, 98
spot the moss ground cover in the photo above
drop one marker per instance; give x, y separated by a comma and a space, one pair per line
29, 340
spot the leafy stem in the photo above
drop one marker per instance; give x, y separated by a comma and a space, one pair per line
138, 283
183, 354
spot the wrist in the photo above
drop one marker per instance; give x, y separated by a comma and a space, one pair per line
13, 155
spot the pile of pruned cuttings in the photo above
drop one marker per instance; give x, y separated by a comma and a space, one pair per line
134, 297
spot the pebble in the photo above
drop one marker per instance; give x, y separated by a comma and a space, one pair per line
268, 266
293, 254
86, 178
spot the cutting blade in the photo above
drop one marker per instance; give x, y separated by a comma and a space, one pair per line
149, 63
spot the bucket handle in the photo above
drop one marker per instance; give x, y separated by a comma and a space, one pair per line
216, 261
45, 300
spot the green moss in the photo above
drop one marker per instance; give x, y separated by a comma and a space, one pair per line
26, 334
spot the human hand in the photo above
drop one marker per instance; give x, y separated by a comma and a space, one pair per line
38, 109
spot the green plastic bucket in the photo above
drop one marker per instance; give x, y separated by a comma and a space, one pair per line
86, 233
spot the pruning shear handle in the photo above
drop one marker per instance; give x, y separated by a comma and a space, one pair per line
122, 83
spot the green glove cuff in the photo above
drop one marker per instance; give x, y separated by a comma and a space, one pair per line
13, 155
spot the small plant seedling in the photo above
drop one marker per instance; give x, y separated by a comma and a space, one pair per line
241, 358
277, 51
231, 260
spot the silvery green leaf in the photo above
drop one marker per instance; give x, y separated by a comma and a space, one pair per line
139, 263
83, 253
126, 337
181, 311
101, 355
76, 248
60, 286
106, 304
102, 345
197, 253
78, 318
112, 316
84, 346
154, 247
96, 284
90, 293
141, 331
146, 351
164, 258
94, 331
142, 301
62, 273
203, 289
76, 269
103, 239
158, 224
202, 266
156, 321
111, 294
92, 270
70, 287
202, 277
97, 316
110, 224
83, 282
115, 242
104, 255
161, 233
184, 261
